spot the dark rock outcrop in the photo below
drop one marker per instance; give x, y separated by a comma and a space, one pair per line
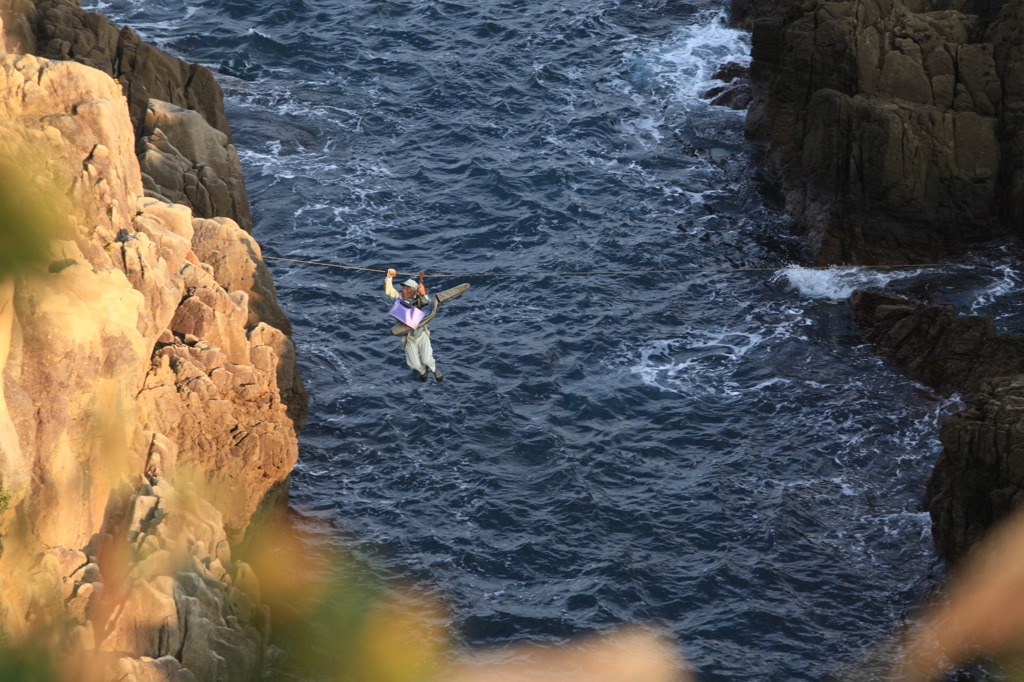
979, 478
736, 92
896, 131
894, 126
745, 13
950, 353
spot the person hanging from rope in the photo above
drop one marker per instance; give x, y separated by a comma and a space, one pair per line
414, 297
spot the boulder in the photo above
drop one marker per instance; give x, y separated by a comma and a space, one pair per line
893, 126
187, 161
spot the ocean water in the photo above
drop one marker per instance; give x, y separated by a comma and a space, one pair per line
716, 452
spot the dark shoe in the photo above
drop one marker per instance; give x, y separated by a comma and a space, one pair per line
438, 376
423, 377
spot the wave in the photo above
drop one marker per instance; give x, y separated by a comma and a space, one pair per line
839, 282
682, 68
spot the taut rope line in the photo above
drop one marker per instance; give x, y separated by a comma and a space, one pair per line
623, 272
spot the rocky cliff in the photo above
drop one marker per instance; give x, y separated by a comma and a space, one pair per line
150, 401
896, 127
979, 478
896, 130
183, 141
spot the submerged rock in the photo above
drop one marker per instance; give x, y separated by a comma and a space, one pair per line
736, 92
934, 345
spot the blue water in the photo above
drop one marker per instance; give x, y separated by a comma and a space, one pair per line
716, 453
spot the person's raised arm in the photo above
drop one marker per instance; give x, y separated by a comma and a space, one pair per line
389, 288
422, 291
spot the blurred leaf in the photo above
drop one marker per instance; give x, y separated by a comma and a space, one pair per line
28, 218
628, 655
981, 614
26, 664
404, 639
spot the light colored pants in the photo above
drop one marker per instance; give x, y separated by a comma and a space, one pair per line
418, 353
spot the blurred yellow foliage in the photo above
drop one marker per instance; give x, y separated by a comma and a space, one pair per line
29, 213
404, 639
337, 623
629, 655
980, 615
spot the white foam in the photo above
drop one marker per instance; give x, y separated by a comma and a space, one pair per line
270, 163
844, 487
1009, 283
838, 283
644, 126
686, 63
310, 207
286, 97
701, 361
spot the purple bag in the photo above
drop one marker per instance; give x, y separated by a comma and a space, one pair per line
406, 313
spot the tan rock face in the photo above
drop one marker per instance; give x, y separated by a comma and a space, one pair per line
177, 116
61, 29
238, 267
140, 407
189, 162
224, 414
75, 349
176, 606
164, 94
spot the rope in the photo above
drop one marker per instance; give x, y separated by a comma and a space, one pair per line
734, 268
330, 265
616, 272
